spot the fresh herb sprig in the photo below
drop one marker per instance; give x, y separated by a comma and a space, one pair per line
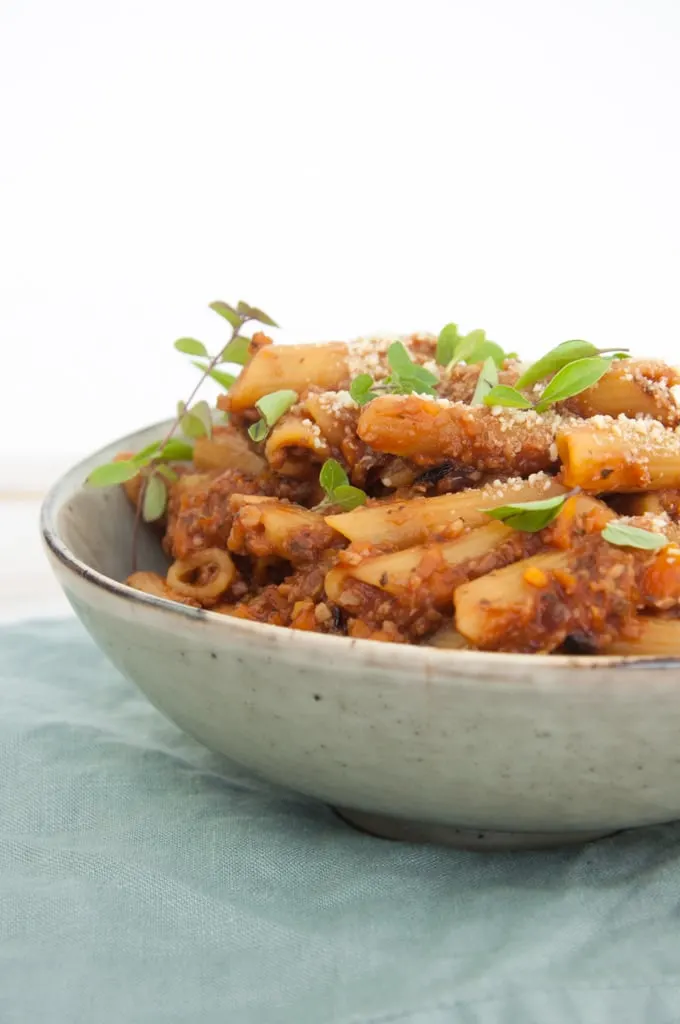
560, 356
475, 347
406, 377
272, 407
339, 492
571, 380
487, 380
195, 421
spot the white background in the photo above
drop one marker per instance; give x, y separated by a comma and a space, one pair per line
347, 166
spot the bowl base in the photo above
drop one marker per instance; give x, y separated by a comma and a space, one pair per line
461, 838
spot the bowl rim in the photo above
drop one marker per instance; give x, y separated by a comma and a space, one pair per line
72, 481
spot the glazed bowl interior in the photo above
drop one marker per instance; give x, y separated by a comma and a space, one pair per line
460, 746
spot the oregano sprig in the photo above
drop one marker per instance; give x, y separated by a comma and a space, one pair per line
560, 356
571, 380
405, 378
625, 536
338, 490
475, 347
271, 407
196, 421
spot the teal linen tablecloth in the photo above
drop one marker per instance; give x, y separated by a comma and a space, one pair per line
145, 881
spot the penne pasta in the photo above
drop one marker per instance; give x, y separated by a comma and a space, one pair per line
295, 445
268, 528
227, 448
294, 367
605, 456
516, 442
404, 523
632, 388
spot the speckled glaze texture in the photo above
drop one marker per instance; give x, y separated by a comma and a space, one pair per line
481, 750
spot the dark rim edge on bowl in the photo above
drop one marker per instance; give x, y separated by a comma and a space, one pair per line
53, 502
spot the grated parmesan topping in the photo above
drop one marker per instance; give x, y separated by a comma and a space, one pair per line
368, 355
315, 429
498, 489
337, 401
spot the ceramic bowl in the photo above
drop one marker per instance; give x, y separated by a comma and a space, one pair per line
479, 750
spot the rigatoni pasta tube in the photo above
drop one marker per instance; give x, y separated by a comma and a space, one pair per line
403, 523
227, 449
270, 527
605, 455
294, 367
294, 445
430, 431
632, 387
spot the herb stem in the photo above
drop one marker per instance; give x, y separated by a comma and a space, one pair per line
206, 373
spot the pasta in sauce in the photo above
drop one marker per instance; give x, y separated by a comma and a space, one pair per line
423, 558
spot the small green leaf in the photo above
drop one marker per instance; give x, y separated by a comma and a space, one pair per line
572, 379
360, 389
446, 344
228, 312
332, 476
348, 497
225, 380
483, 349
144, 457
155, 499
633, 537
554, 360
275, 404
467, 345
197, 421
236, 351
258, 431
488, 379
509, 397
253, 313
167, 473
177, 451
112, 473
191, 347
528, 516
407, 376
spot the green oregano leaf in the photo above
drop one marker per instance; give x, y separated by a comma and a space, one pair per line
155, 499
408, 377
175, 450
626, 536
253, 313
191, 347
348, 497
563, 354
509, 397
528, 516
228, 312
485, 349
272, 407
258, 431
361, 389
488, 379
112, 473
236, 351
572, 379
446, 344
225, 380
334, 481
332, 476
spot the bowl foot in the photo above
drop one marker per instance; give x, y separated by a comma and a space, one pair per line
461, 838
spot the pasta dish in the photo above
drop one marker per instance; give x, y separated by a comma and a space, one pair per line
423, 489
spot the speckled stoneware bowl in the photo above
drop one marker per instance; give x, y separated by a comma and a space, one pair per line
478, 750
